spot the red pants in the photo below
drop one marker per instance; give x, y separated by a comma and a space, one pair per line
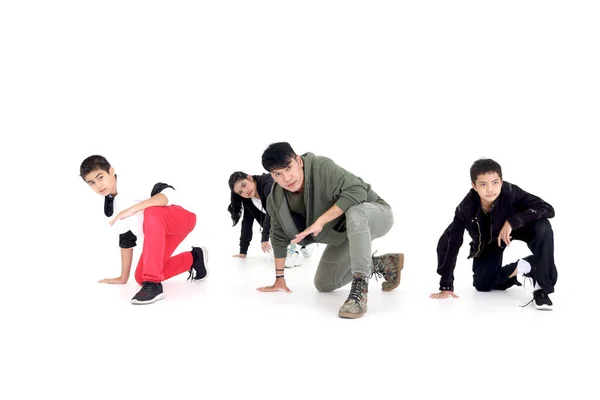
164, 230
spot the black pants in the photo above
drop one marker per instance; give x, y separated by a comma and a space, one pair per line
489, 274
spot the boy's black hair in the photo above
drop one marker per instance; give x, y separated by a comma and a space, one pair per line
277, 156
93, 163
484, 166
235, 205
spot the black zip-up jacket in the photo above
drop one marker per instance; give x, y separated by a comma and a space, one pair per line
513, 205
264, 183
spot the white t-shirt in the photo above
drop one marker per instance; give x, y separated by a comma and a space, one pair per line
258, 204
130, 193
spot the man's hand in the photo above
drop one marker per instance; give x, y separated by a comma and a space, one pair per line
444, 294
314, 229
266, 247
278, 286
115, 281
123, 214
240, 255
505, 234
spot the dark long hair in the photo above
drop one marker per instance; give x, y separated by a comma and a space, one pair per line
235, 206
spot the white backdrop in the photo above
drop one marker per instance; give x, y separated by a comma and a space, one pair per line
404, 94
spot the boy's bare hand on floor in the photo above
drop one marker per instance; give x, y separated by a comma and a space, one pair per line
444, 294
114, 281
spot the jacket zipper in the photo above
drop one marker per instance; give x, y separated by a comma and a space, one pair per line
491, 225
478, 230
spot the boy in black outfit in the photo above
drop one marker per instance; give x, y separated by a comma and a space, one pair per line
494, 212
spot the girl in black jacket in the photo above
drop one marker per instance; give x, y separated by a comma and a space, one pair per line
251, 192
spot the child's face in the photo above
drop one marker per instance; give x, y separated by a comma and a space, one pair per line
102, 182
488, 186
245, 187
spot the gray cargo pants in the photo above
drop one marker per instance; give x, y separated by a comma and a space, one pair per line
364, 223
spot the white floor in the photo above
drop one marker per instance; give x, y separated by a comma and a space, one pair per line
221, 337
404, 94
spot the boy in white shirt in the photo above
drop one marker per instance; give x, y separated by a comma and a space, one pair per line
153, 212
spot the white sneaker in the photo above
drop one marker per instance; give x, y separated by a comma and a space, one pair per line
293, 258
306, 251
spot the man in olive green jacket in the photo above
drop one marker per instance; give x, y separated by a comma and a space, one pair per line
313, 200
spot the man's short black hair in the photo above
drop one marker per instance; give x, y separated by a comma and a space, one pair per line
277, 156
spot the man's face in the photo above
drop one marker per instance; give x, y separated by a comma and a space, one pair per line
102, 182
488, 186
291, 177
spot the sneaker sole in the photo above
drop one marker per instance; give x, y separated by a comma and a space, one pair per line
543, 307
397, 283
205, 258
350, 316
155, 299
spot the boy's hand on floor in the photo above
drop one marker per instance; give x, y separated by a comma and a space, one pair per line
444, 294
240, 255
114, 281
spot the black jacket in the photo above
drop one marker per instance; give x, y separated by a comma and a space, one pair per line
264, 183
513, 205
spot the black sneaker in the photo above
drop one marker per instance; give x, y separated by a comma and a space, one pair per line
541, 301
149, 293
200, 255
